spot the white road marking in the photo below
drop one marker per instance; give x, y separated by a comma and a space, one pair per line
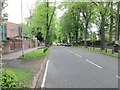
45, 74
93, 63
118, 77
78, 55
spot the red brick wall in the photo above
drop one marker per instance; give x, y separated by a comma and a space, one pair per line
26, 43
6, 47
11, 46
10, 32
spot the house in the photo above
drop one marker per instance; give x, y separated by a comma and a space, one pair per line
11, 34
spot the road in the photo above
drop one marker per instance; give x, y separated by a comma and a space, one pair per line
76, 68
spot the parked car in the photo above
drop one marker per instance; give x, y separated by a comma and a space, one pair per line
58, 44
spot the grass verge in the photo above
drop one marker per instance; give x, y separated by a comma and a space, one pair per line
98, 50
39, 53
24, 77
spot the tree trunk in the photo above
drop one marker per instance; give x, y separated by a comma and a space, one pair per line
111, 24
81, 35
70, 38
102, 31
85, 34
118, 23
47, 25
76, 37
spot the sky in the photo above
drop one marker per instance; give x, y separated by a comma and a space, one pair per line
14, 9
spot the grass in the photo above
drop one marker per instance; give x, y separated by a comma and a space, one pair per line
24, 77
35, 54
109, 52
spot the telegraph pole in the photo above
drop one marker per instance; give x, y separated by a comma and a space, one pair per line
22, 29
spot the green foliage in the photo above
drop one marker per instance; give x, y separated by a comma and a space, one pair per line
80, 16
8, 79
24, 77
73, 21
37, 22
34, 54
15, 78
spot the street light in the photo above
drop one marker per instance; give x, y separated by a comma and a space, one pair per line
22, 29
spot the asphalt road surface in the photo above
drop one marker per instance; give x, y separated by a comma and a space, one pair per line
76, 68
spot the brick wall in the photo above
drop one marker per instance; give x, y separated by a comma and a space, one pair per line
12, 29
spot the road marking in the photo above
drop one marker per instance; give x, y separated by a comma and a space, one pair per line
93, 63
118, 77
45, 74
78, 55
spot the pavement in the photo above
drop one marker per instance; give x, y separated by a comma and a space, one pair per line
36, 66
12, 56
76, 68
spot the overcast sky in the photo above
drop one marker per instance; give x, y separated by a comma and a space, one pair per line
14, 9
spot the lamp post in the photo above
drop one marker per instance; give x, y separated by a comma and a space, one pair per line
22, 29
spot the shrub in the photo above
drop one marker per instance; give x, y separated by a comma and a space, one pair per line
111, 43
97, 42
8, 79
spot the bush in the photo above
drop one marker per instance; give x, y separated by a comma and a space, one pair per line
111, 43
97, 42
8, 79
89, 43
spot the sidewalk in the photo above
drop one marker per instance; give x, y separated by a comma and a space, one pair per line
36, 66
15, 55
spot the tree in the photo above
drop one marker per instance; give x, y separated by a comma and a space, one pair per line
41, 21
111, 22
87, 11
118, 22
102, 9
48, 22
78, 19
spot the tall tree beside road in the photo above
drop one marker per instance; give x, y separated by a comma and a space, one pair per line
103, 9
76, 23
42, 20
118, 22
102, 14
87, 11
78, 19
111, 22
48, 22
